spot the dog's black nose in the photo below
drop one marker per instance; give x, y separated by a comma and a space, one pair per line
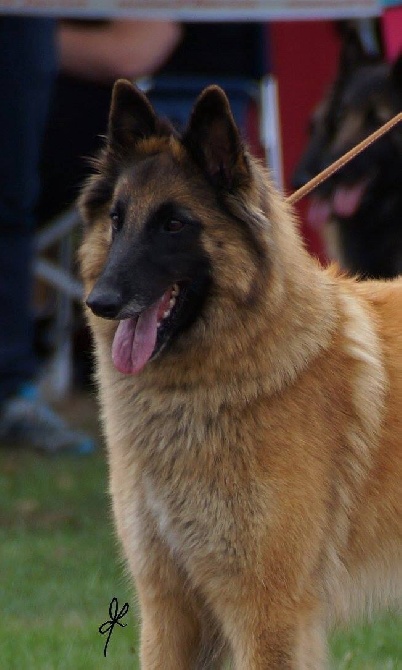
105, 302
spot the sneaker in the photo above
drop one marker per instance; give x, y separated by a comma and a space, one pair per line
26, 421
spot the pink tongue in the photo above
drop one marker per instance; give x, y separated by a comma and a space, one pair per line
318, 212
134, 341
345, 202
135, 338
347, 199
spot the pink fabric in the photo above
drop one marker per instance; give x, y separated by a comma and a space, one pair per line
392, 32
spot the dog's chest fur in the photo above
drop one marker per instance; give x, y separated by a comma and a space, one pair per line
198, 483
186, 469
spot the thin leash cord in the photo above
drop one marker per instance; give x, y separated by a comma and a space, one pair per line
338, 164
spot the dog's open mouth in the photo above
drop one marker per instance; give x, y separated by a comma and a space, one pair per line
343, 202
141, 337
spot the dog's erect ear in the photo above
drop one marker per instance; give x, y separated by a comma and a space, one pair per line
131, 117
214, 141
352, 52
396, 73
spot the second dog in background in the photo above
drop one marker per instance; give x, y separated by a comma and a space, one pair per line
358, 210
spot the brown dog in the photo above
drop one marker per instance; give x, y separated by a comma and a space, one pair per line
251, 401
359, 209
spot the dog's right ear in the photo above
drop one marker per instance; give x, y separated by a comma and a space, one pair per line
353, 53
396, 73
131, 118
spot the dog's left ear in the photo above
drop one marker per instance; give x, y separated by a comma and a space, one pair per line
213, 140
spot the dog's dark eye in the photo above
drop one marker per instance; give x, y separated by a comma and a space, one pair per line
173, 226
116, 221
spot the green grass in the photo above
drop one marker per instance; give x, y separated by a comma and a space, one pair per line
60, 567
376, 646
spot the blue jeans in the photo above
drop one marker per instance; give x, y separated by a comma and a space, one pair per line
27, 70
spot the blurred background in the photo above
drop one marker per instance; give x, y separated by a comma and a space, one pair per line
306, 84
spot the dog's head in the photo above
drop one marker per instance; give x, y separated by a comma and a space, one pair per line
366, 94
167, 233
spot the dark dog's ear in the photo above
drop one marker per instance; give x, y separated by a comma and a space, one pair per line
357, 50
131, 117
352, 52
214, 141
396, 73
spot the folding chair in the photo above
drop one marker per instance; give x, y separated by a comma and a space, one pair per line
58, 377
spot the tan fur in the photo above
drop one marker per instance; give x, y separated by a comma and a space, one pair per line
256, 467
